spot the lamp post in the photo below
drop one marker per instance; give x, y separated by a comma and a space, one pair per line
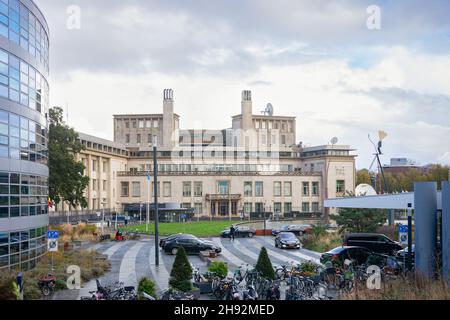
409, 254
103, 215
155, 187
264, 212
116, 217
140, 212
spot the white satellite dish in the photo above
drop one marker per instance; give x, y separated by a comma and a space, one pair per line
268, 110
334, 141
365, 190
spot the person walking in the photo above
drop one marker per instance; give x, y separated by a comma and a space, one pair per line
232, 231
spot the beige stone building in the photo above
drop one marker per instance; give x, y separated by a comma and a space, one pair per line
253, 166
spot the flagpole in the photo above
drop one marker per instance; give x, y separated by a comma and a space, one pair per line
148, 201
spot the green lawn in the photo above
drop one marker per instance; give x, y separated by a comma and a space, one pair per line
199, 229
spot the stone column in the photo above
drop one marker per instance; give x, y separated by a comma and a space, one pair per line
446, 230
425, 226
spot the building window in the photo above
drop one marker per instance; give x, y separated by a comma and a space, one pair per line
248, 207
94, 184
248, 189
149, 138
104, 166
127, 138
134, 124
167, 189
187, 188
259, 189
155, 124
340, 187
287, 207
223, 187
198, 208
127, 124
104, 185
124, 189
288, 189
259, 207
141, 124
186, 205
283, 139
305, 207
277, 207
94, 165
277, 189
315, 188
136, 189
306, 189
198, 189
315, 207
148, 124
138, 138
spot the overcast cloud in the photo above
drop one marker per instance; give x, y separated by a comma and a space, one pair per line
312, 59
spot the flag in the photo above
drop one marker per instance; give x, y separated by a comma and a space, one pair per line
149, 178
50, 202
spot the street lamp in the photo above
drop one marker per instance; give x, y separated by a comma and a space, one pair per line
103, 215
155, 187
140, 212
116, 217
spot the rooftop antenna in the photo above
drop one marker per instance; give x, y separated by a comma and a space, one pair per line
334, 141
268, 111
381, 136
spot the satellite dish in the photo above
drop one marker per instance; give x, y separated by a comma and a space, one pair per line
365, 189
334, 141
268, 110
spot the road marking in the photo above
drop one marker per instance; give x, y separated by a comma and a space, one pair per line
227, 254
127, 273
110, 251
242, 248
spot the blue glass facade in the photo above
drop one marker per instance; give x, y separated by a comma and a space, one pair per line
24, 103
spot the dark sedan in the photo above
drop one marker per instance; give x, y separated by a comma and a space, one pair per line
287, 240
338, 255
297, 229
175, 236
192, 245
239, 232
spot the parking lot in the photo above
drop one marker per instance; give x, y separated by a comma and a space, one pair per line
132, 260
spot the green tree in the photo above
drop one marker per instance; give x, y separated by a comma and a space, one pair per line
181, 274
359, 220
264, 265
363, 176
148, 286
67, 181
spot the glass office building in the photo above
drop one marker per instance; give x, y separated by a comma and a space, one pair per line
24, 103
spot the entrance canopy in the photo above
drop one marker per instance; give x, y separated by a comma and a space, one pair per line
384, 201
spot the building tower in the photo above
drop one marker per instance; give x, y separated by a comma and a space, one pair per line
168, 120
24, 102
246, 110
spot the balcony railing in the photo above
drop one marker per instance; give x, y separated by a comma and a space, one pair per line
225, 197
218, 173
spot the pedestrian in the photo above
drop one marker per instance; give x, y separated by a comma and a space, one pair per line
108, 223
232, 231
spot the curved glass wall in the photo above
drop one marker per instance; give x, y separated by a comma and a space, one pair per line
24, 103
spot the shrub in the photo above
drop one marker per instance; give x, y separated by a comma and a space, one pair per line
319, 230
146, 285
7, 281
181, 274
309, 268
264, 265
219, 268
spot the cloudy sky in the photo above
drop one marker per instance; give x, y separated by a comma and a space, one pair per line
316, 60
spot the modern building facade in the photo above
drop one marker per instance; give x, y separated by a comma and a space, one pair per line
24, 101
252, 167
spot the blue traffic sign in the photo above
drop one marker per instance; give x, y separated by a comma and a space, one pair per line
402, 229
52, 234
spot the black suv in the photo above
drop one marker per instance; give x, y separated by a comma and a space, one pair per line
375, 242
192, 245
338, 255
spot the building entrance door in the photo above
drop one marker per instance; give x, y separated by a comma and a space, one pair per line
223, 208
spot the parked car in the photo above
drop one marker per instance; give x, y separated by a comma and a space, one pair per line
297, 229
174, 236
376, 242
192, 245
389, 264
241, 231
338, 255
287, 240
